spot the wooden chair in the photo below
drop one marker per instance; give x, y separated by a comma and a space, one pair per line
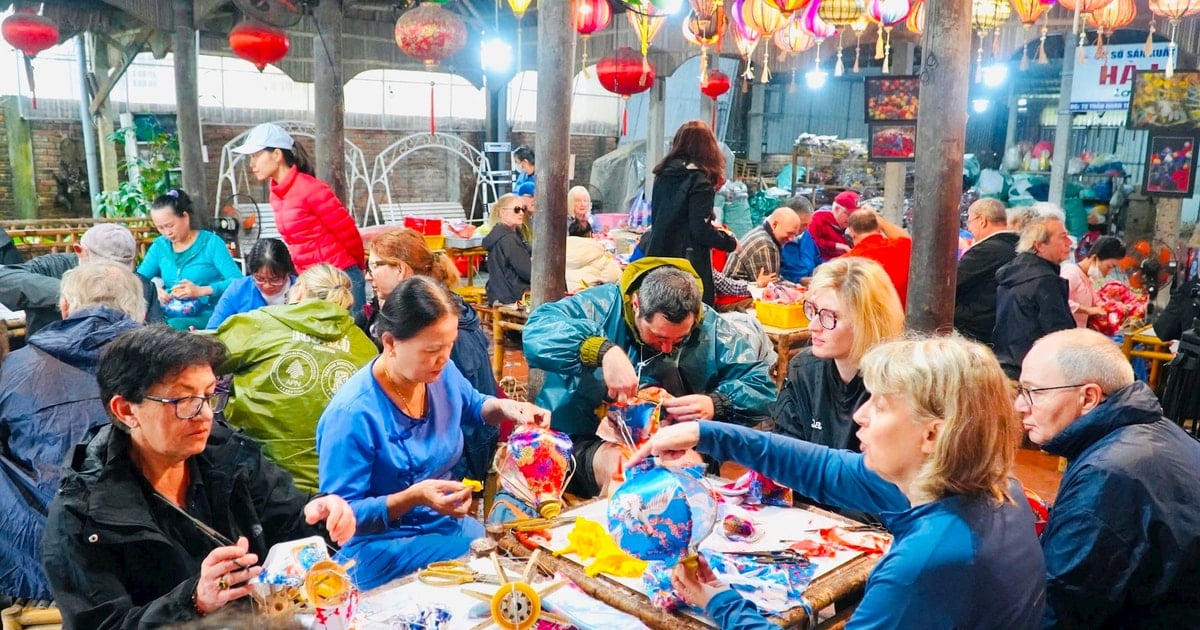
26, 616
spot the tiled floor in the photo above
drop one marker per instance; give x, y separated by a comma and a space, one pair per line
1037, 470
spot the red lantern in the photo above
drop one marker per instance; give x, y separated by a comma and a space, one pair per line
430, 33
589, 17
29, 32
717, 84
258, 44
625, 72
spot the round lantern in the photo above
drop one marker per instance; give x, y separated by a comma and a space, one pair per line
886, 13
1112, 17
430, 33
704, 32
1029, 11
840, 14
258, 44
717, 84
765, 18
660, 513
626, 73
788, 7
535, 466
589, 17
29, 33
793, 38
1173, 11
916, 17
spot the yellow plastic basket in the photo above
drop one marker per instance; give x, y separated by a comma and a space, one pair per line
780, 315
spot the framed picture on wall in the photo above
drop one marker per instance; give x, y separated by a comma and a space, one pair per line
1165, 105
891, 99
892, 143
1170, 166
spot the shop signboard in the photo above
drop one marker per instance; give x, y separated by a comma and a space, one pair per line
1103, 85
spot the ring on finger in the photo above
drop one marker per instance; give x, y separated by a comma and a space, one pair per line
222, 583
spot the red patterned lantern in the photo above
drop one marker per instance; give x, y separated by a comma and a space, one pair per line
625, 72
589, 17
29, 33
430, 33
258, 44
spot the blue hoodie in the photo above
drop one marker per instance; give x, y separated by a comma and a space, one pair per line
1123, 541
49, 401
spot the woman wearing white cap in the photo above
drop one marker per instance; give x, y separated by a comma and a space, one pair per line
313, 222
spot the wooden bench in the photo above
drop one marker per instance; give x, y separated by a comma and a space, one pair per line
34, 237
395, 213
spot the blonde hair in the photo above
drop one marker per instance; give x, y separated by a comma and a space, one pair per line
407, 246
506, 201
103, 283
959, 382
867, 295
325, 282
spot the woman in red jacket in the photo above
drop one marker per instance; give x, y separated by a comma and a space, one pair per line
312, 221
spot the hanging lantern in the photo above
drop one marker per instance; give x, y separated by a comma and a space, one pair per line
1084, 6
1029, 11
840, 14
887, 14
819, 29
985, 16
789, 7
713, 86
704, 33
916, 18
1112, 17
764, 18
745, 38
535, 466
258, 44
1173, 11
519, 7
29, 33
626, 73
661, 514
430, 33
793, 39
589, 17
705, 9
646, 26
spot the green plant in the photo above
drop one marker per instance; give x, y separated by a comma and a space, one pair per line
158, 158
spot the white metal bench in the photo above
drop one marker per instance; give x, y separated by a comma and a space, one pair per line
266, 219
394, 213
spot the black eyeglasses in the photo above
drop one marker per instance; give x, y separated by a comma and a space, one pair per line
1028, 392
827, 318
521, 209
188, 407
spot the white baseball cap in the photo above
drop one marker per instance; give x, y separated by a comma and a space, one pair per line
265, 136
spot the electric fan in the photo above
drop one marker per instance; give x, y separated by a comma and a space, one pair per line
239, 223
1149, 268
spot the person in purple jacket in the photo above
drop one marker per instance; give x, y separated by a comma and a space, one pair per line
938, 444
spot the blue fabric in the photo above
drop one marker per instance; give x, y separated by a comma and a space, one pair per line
206, 263
1123, 541
49, 400
799, 257
358, 288
368, 450
241, 296
959, 562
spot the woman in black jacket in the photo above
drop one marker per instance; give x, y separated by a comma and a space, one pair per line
509, 255
681, 206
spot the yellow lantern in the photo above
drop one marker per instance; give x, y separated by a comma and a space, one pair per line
988, 15
840, 14
765, 18
519, 7
916, 18
1173, 10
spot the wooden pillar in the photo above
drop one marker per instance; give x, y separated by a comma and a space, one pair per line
554, 44
754, 123
941, 134
1062, 131
330, 98
1167, 214
656, 130
895, 174
109, 166
187, 103
20, 158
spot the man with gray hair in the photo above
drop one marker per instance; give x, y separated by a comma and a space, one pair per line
975, 287
607, 343
1031, 298
49, 400
1122, 544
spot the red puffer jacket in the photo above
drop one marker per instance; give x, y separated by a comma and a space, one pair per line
314, 224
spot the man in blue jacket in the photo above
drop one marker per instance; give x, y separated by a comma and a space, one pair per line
1122, 543
608, 342
49, 400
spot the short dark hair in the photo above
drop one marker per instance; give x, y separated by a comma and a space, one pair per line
799, 203
270, 254
414, 305
180, 203
670, 292
1107, 248
524, 152
137, 360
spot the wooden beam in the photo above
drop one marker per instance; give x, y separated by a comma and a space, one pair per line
187, 104
202, 9
555, 38
329, 97
128, 54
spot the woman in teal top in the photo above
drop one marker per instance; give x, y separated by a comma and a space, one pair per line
194, 264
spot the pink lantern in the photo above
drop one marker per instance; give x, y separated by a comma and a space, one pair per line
887, 13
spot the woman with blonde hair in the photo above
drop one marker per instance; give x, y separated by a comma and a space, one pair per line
288, 361
509, 253
579, 207
938, 444
851, 306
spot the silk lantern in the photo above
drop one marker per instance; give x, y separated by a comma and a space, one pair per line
988, 15
589, 17
745, 38
258, 44
431, 34
1029, 12
840, 14
713, 86
1116, 15
535, 466
887, 14
1173, 10
766, 19
625, 72
704, 33
31, 34
820, 29
661, 514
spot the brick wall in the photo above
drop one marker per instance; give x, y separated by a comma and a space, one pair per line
7, 210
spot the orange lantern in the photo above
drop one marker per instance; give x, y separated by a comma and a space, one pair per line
1112, 17
1029, 12
1173, 10
789, 7
916, 18
840, 14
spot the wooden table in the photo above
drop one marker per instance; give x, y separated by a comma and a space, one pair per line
473, 256
1143, 343
12, 329
787, 342
504, 317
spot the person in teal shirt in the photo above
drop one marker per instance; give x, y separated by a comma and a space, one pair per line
194, 264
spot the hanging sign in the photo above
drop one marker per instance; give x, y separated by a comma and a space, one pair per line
1101, 85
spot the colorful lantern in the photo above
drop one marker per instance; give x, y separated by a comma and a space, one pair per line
626, 73
704, 33
535, 467
745, 39
764, 18
1084, 6
819, 29
430, 33
887, 14
661, 514
916, 18
1173, 10
29, 33
646, 25
793, 39
840, 14
789, 7
988, 15
1112, 17
258, 44
589, 17
1029, 11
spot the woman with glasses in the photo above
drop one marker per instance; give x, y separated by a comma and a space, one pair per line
509, 254
938, 444
163, 516
271, 275
389, 439
851, 306
287, 361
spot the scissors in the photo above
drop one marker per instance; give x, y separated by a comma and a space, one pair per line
452, 573
781, 556
537, 524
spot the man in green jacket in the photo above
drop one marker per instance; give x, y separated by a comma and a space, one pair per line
651, 329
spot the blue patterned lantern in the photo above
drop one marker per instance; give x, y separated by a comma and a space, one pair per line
661, 513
